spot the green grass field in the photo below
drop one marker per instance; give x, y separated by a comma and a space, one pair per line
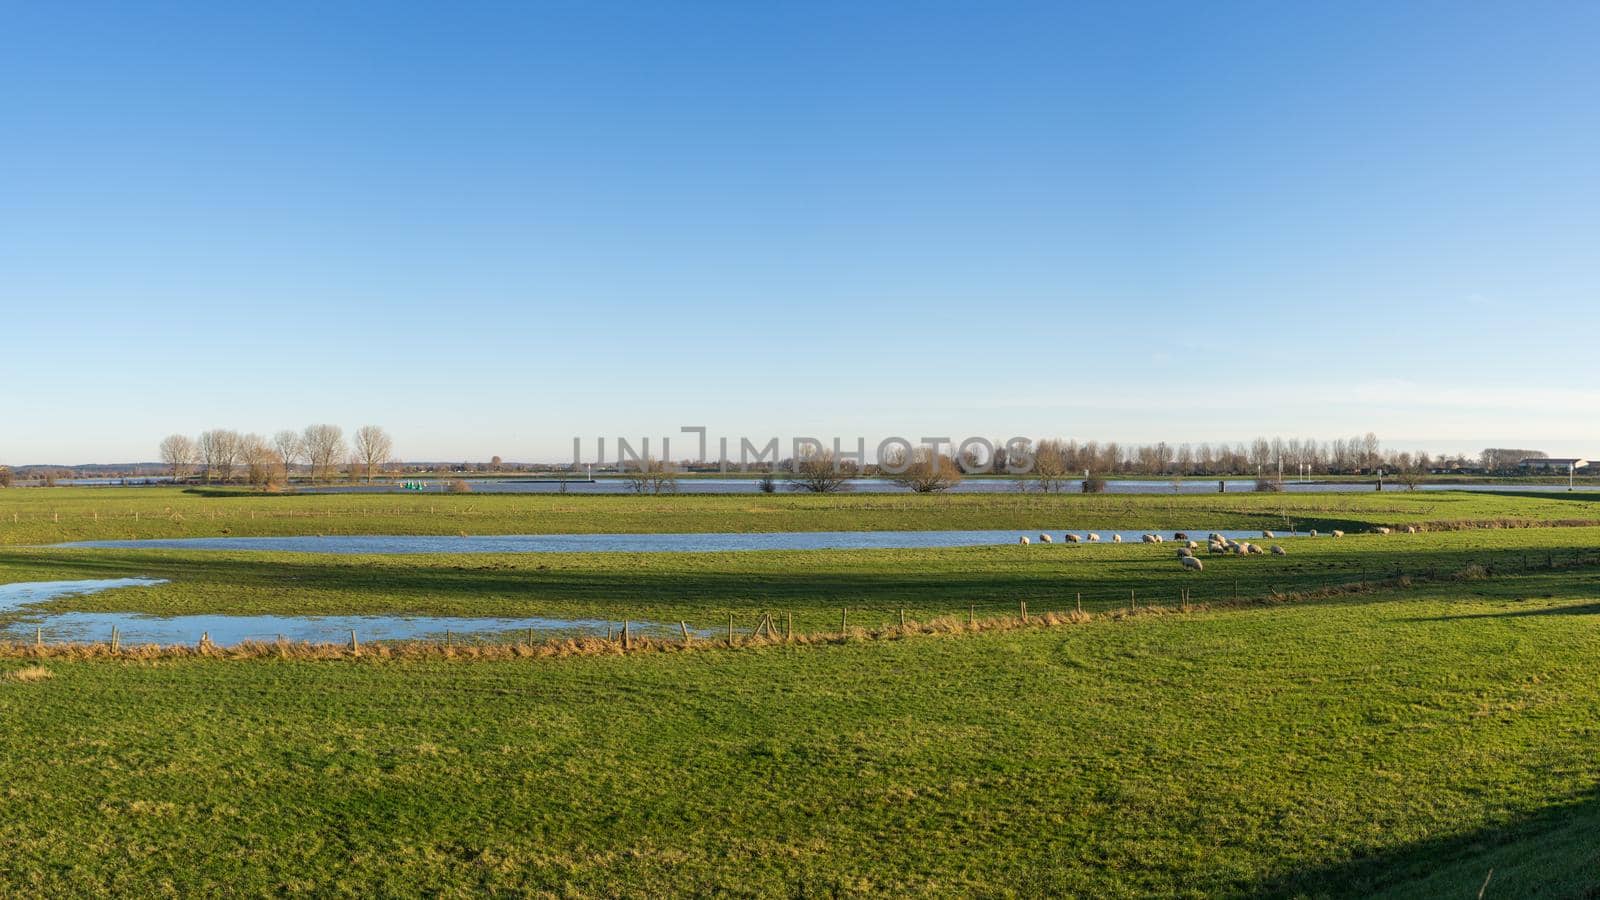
41, 516
1403, 740
1397, 745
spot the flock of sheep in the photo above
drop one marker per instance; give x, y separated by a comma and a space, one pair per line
1215, 543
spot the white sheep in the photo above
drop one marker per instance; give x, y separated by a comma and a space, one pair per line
1045, 539
1094, 538
1338, 533
1071, 538
1023, 540
1268, 535
1279, 551
1192, 545
1116, 539
1190, 562
1184, 552
1313, 532
1411, 529
1381, 530
1148, 538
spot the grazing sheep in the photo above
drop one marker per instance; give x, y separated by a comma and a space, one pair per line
1213, 536
1313, 532
1218, 548
1192, 545
1158, 539
1023, 540
1411, 529
1116, 539
1094, 538
1045, 539
1338, 533
1180, 536
1381, 530
1148, 538
1279, 551
1071, 538
1190, 562
1185, 553
1268, 535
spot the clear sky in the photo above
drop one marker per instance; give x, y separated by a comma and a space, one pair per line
493, 227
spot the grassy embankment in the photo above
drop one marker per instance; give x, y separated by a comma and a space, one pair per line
703, 588
50, 515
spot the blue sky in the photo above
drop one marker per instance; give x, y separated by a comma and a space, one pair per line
495, 227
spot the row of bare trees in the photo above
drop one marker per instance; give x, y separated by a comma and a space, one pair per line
1052, 465
1360, 455
221, 455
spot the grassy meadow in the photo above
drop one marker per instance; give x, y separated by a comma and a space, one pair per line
1377, 715
44, 516
1392, 745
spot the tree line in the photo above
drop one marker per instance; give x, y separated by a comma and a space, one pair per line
1054, 464
222, 455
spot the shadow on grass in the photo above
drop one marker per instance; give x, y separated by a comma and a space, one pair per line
1553, 852
1584, 609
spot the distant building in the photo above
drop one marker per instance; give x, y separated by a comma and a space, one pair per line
1552, 464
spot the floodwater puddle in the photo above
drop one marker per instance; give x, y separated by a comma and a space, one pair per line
24, 593
711, 542
224, 630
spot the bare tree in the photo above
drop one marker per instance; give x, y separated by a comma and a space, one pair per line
925, 472
1051, 466
258, 459
287, 446
6, 478
324, 445
1370, 450
819, 472
374, 448
178, 454
219, 453
651, 476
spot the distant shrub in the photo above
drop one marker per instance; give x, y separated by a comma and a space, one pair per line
1268, 486
768, 484
1094, 484
458, 486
